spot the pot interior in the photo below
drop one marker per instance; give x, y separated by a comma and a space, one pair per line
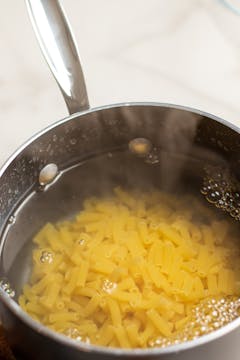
92, 153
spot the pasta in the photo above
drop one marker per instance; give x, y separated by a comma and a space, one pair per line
131, 269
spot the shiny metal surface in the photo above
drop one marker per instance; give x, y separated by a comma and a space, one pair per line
95, 131
60, 51
67, 143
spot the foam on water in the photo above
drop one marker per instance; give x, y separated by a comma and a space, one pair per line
222, 189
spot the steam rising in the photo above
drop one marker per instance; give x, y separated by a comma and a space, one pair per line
176, 138
180, 152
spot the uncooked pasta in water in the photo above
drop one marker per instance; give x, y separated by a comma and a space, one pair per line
136, 270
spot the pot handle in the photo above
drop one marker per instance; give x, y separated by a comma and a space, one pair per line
60, 51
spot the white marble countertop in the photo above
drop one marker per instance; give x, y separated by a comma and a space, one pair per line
179, 51
184, 52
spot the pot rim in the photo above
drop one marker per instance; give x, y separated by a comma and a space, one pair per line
111, 106
15, 308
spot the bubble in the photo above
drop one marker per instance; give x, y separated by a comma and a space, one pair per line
220, 204
108, 286
48, 174
213, 196
153, 157
140, 146
236, 196
234, 212
81, 242
46, 257
6, 287
220, 188
12, 219
177, 341
73, 333
73, 141
196, 332
207, 316
60, 305
204, 190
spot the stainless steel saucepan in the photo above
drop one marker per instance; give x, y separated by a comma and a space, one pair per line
88, 153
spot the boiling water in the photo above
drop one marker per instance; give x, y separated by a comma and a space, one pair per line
145, 255
98, 176
221, 188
